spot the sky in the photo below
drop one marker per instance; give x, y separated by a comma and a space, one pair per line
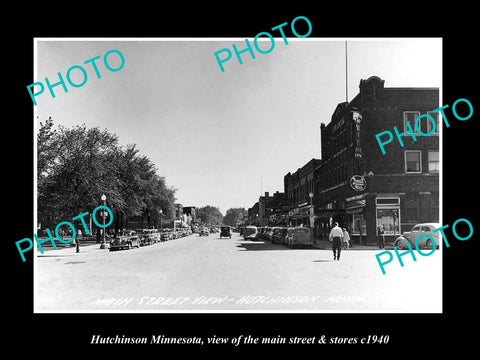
221, 138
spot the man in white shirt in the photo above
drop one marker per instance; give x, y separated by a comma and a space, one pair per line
336, 237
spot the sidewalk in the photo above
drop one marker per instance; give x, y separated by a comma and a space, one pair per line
327, 245
71, 250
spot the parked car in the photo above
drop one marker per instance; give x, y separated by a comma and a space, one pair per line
165, 235
417, 230
269, 233
261, 232
278, 236
300, 237
241, 229
204, 232
148, 236
250, 232
225, 232
125, 240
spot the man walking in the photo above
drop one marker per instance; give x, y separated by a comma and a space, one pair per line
336, 237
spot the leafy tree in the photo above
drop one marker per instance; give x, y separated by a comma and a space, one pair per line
77, 165
209, 215
233, 215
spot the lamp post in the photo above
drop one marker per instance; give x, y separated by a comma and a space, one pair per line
310, 194
161, 218
104, 199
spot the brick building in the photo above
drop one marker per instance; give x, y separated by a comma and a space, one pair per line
297, 187
360, 187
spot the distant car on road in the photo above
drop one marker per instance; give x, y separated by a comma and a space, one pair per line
225, 232
417, 230
125, 240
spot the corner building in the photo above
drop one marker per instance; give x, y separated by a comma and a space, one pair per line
360, 187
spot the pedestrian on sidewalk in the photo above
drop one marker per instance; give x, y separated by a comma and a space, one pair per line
336, 236
381, 237
77, 244
346, 239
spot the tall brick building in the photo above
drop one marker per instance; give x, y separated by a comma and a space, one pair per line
360, 187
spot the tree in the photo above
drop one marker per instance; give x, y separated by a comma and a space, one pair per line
209, 215
77, 165
234, 215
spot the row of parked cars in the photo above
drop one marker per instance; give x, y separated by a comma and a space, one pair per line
127, 239
288, 236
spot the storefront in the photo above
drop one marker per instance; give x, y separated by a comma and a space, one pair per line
355, 210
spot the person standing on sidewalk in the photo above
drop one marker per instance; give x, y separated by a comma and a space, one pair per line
336, 236
346, 239
381, 237
77, 244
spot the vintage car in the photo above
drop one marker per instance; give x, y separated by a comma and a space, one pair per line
250, 232
268, 233
148, 236
204, 232
299, 237
125, 240
278, 236
424, 241
166, 235
225, 232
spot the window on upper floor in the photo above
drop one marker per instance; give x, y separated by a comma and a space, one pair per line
410, 117
435, 116
413, 161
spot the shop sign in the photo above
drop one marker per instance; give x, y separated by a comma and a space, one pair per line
358, 182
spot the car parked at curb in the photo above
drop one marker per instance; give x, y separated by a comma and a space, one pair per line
204, 232
125, 240
424, 241
299, 237
278, 236
148, 236
250, 233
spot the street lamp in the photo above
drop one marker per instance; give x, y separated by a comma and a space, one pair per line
161, 217
310, 194
102, 245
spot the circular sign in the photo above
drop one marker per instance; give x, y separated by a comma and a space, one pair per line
358, 182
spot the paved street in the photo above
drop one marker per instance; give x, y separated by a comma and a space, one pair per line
212, 274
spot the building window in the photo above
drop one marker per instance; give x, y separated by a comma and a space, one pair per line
413, 161
430, 125
433, 162
410, 116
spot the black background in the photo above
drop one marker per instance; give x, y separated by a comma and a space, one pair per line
60, 335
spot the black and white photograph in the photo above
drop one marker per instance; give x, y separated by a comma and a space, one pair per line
226, 180
255, 182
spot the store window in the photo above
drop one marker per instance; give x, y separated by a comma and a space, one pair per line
413, 161
389, 219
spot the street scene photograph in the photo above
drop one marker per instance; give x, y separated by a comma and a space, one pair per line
211, 175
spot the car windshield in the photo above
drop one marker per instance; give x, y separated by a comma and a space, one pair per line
249, 231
